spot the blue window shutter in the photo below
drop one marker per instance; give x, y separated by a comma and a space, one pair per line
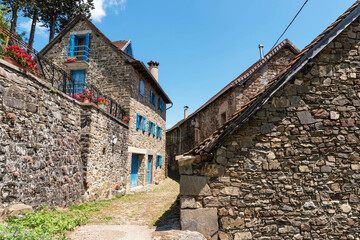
160, 133
151, 96
150, 127
138, 119
86, 48
144, 124
142, 87
72, 46
161, 105
154, 129
154, 100
160, 161
157, 131
79, 80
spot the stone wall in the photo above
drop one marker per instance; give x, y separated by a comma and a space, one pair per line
209, 118
293, 170
104, 149
43, 155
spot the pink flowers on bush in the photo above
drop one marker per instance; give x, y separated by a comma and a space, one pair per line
21, 56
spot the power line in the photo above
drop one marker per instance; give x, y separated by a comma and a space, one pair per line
290, 24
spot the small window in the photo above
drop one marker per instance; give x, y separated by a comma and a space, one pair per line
150, 127
142, 87
154, 99
138, 121
144, 124
223, 118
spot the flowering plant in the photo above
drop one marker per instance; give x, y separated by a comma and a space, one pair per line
70, 59
86, 94
20, 56
102, 101
117, 187
126, 118
77, 96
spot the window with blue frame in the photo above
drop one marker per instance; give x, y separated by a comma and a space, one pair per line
157, 131
159, 161
154, 129
152, 98
161, 104
79, 81
142, 87
160, 134
79, 46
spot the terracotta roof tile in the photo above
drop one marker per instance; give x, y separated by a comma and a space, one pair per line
121, 44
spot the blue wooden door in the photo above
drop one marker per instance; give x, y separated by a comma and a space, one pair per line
79, 77
149, 170
134, 170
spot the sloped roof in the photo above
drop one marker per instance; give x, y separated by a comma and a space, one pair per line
121, 44
138, 65
309, 52
244, 77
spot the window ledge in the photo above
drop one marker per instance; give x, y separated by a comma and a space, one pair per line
78, 65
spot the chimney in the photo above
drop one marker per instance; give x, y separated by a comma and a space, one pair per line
261, 47
153, 67
186, 112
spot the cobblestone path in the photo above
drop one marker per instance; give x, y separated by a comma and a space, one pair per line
134, 216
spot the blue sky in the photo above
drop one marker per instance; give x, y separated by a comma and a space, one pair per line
202, 45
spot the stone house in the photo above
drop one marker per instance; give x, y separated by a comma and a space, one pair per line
196, 127
112, 68
287, 164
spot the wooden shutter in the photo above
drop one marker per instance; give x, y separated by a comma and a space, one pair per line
86, 48
138, 119
150, 126
151, 96
160, 133
144, 124
160, 161
72, 46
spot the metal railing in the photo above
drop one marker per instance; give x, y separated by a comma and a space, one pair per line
60, 80
81, 52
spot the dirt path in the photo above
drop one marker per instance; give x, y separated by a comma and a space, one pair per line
134, 216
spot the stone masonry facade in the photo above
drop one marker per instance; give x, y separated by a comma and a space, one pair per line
50, 144
209, 118
114, 76
292, 171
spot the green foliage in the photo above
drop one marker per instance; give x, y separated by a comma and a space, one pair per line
88, 206
53, 90
44, 224
107, 218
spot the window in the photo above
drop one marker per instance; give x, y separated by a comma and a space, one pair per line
157, 131
161, 105
150, 127
160, 134
138, 121
151, 96
154, 99
79, 81
79, 46
154, 129
144, 124
159, 161
142, 87
223, 118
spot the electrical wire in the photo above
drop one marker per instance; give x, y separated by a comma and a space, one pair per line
290, 24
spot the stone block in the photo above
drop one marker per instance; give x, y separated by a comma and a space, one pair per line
267, 127
186, 202
233, 191
13, 102
305, 117
204, 220
31, 107
194, 186
186, 169
17, 209
243, 236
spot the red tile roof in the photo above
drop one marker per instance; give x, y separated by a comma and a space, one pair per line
208, 144
242, 78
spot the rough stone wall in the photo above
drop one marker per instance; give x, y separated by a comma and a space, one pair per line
104, 152
142, 142
43, 155
293, 170
107, 70
209, 119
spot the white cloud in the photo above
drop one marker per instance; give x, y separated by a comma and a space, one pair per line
40, 30
101, 6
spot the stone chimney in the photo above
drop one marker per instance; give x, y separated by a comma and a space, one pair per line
153, 67
186, 112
